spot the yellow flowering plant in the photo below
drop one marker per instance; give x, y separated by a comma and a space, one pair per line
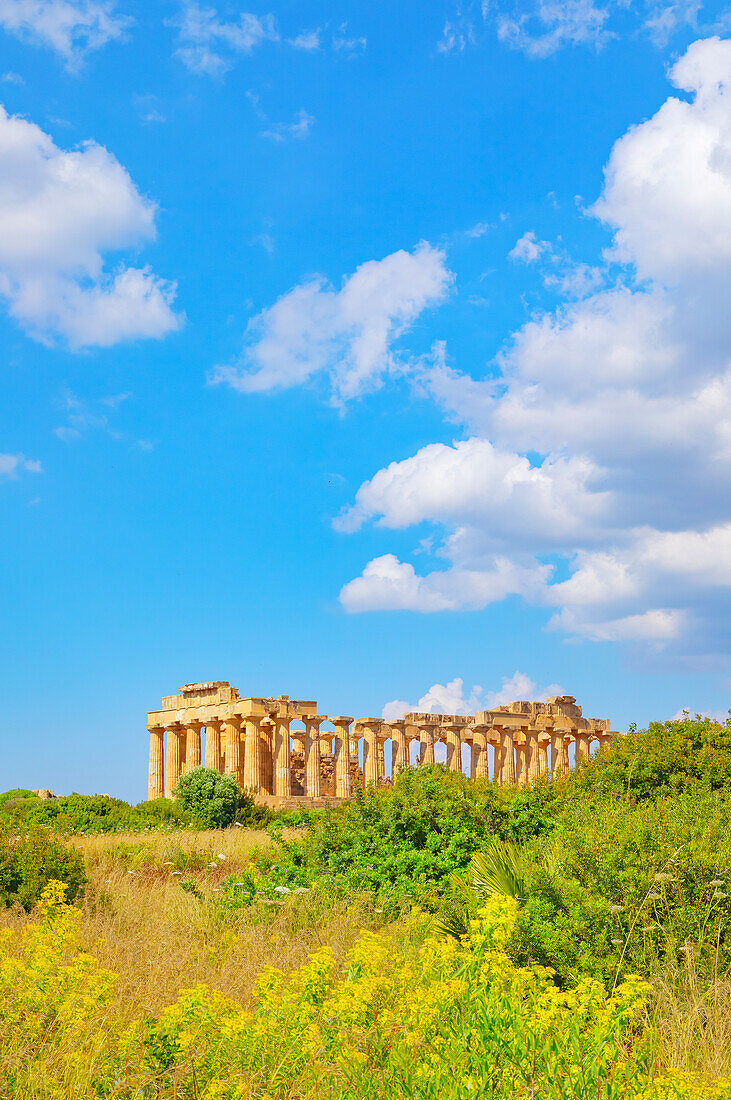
408, 1014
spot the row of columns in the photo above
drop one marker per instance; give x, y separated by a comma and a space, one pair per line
239, 746
242, 745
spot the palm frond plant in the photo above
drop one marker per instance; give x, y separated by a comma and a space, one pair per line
496, 869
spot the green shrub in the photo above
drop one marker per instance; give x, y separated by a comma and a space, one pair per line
252, 815
644, 883
661, 760
30, 860
208, 798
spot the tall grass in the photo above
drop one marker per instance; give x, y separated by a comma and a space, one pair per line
159, 938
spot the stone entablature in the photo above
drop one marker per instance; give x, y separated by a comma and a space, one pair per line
254, 740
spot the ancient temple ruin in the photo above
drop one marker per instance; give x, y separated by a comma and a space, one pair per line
285, 753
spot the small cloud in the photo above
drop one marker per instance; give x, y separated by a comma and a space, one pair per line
451, 698
297, 129
114, 399
457, 33
12, 465
12, 78
84, 416
265, 240
147, 110
72, 28
208, 45
478, 230
307, 40
66, 434
344, 44
528, 249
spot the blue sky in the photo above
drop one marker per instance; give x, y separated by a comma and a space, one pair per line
376, 353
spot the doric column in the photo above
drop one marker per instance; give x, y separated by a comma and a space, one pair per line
381, 755
234, 755
521, 758
214, 756
493, 736
267, 756
480, 761
399, 744
426, 738
156, 771
282, 757
192, 746
544, 739
533, 753
582, 746
507, 755
556, 752
370, 728
454, 747
567, 739
343, 786
174, 761
312, 754
252, 754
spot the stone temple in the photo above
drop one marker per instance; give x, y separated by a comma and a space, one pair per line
286, 754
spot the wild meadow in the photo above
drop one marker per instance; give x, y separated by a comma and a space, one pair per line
435, 939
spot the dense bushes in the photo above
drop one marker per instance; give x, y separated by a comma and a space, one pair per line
30, 860
78, 813
662, 760
620, 877
404, 841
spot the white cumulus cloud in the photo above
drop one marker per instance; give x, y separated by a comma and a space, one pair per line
61, 211
602, 435
387, 584
451, 698
527, 249
347, 333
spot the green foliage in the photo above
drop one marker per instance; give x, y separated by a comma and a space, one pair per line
208, 798
78, 813
404, 841
497, 869
661, 760
16, 795
643, 885
622, 867
29, 861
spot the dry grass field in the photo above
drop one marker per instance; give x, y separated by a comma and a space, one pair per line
159, 939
